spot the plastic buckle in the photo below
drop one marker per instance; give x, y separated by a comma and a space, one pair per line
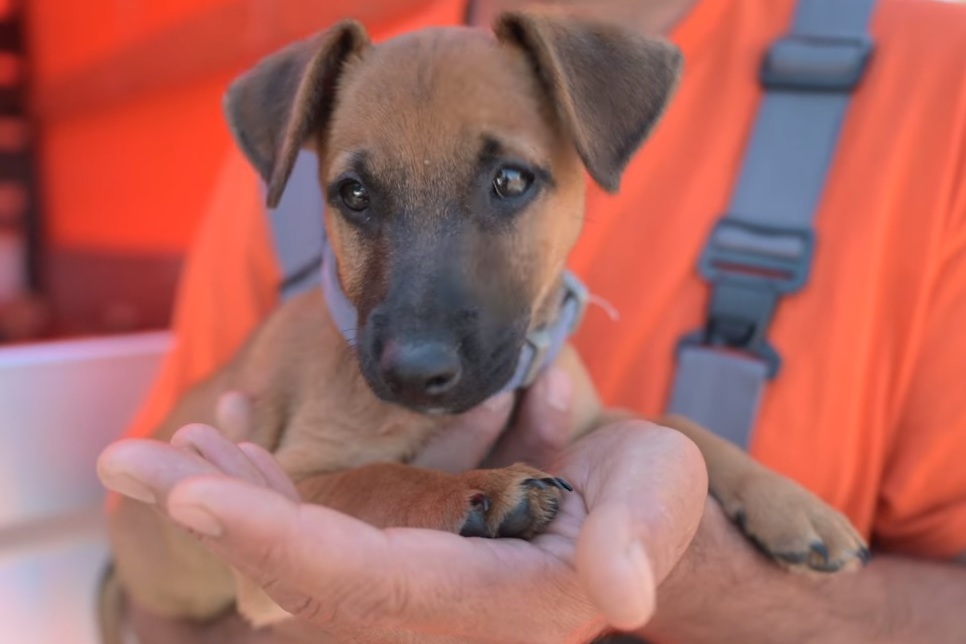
575, 291
780, 256
749, 265
539, 342
764, 351
817, 63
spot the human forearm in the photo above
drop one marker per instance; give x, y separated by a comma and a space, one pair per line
723, 590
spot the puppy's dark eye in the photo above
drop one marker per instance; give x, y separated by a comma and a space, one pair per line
354, 195
511, 182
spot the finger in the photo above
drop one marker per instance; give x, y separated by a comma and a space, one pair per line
146, 470
233, 415
273, 473
218, 450
645, 487
621, 582
319, 564
542, 427
464, 444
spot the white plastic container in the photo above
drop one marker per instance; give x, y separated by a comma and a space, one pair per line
61, 403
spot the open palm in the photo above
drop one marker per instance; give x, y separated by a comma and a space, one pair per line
639, 491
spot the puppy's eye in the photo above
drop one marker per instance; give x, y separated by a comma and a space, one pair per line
511, 182
354, 195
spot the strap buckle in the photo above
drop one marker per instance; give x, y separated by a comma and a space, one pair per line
817, 63
778, 255
749, 266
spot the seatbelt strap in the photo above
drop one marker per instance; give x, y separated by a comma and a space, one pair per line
762, 247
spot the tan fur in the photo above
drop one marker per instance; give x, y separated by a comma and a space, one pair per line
418, 107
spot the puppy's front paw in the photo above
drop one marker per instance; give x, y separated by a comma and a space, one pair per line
792, 525
517, 501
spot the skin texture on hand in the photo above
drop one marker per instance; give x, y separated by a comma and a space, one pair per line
639, 495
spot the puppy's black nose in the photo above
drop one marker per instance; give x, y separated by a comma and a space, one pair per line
420, 369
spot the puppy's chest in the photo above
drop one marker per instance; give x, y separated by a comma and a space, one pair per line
326, 437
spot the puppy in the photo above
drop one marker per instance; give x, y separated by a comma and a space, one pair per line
452, 161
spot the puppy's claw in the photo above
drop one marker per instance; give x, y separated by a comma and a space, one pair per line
481, 501
558, 483
564, 484
475, 524
819, 551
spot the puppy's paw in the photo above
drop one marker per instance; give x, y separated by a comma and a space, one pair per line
793, 526
517, 501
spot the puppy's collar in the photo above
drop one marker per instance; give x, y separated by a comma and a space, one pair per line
542, 345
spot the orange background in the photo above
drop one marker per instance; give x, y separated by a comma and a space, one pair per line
128, 97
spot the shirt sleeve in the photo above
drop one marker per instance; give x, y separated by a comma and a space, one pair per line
922, 507
228, 286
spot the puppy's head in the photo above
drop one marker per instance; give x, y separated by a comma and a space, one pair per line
452, 164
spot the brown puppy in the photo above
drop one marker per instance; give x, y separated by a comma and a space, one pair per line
452, 161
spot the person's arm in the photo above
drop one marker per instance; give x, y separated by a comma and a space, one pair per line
722, 590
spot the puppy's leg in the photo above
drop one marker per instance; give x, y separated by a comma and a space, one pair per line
516, 501
786, 521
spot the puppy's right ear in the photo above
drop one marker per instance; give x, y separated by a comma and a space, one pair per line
274, 108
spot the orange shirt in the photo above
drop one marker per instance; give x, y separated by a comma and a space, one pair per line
869, 410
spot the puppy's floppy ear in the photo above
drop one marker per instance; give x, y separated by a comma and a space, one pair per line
273, 108
609, 85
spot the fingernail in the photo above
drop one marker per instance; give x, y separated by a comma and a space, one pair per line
131, 487
560, 390
196, 518
499, 402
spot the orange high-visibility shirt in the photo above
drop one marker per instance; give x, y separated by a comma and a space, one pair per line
869, 410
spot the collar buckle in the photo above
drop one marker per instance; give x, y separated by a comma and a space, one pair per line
542, 345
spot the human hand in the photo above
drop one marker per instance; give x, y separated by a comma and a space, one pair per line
640, 493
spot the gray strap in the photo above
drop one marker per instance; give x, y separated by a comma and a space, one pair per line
736, 382
298, 229
762, 247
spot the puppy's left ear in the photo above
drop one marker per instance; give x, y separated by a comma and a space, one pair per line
610, 86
